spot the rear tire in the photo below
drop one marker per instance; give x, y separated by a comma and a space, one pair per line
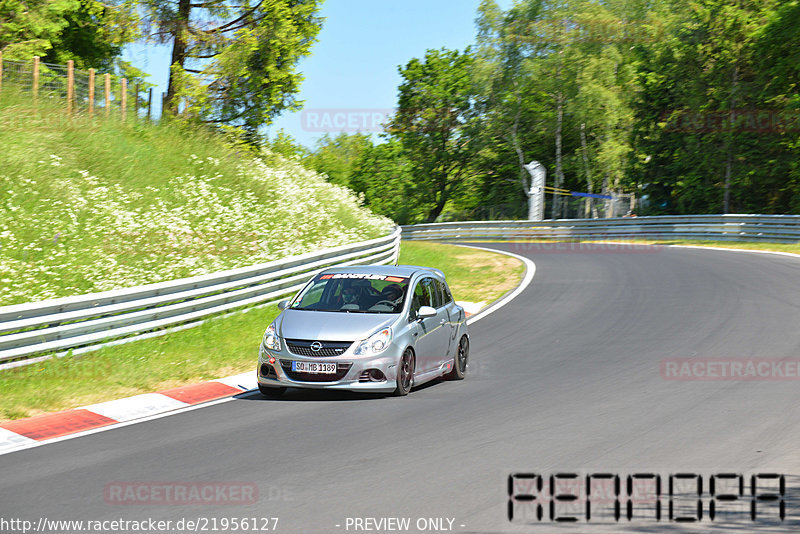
271, 393
460, 361
405, 373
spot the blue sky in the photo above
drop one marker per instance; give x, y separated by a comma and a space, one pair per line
351, 76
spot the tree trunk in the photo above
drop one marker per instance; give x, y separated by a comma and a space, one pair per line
589, 185
437, 209
180, 34
726, 201
559, 171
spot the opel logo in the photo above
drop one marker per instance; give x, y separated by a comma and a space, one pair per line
316, 346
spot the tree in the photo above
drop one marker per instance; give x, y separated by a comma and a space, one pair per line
512, 103
434, 123
336, 156
776, 52
234, 63
383, 174
699, 91
89, 32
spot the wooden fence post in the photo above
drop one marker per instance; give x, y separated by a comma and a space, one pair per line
35, 78
149, 104
91, 91
124, 90
70, 86
108, 92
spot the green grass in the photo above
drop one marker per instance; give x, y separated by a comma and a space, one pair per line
219, 347
473, 275
92, 204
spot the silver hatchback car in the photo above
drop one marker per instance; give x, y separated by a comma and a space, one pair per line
366, 328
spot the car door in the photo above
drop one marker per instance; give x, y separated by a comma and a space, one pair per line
429, 330
448, 312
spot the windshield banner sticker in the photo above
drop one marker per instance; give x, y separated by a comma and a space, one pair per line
363, 276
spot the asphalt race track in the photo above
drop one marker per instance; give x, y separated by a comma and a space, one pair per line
565, 378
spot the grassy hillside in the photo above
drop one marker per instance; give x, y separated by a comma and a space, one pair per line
91, 205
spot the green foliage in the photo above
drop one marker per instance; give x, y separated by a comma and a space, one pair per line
336, 156
89, 32
285, 145
435, 124
383, 174
234, 63
702, 88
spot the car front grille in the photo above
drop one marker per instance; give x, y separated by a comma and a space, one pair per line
303, 347
341, 371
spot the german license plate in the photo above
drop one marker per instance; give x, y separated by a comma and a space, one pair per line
314, 367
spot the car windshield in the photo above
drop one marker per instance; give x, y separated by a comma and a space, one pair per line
353, 293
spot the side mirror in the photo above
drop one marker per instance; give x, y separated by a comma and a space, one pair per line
426, 311
283, 304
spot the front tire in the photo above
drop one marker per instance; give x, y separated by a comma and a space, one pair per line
271, 393
460, 361
405, 373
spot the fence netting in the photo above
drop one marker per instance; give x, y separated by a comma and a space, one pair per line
52, 82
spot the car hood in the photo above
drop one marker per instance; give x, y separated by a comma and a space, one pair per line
331, 326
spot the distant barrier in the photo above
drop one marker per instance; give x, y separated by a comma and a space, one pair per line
769, 228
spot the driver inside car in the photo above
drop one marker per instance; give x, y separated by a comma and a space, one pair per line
392, 293
349, 296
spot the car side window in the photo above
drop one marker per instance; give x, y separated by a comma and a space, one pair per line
447, 298
429, 285
420, 297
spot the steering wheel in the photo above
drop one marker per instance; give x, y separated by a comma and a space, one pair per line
387, 302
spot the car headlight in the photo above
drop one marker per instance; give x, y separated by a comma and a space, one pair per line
271, 339
375, 344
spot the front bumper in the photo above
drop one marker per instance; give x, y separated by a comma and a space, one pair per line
350, 379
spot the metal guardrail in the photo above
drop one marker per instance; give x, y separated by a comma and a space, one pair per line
72, 322
769, 228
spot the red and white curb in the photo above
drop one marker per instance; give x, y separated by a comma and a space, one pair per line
471, 308
26, 433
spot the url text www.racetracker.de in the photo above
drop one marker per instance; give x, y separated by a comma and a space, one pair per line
147, 525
